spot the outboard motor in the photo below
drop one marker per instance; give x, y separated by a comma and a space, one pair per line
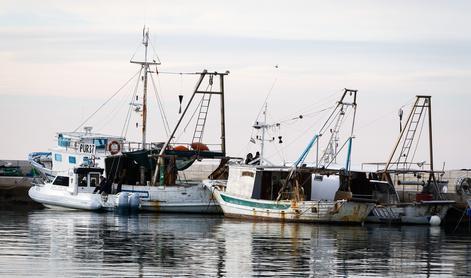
123, 201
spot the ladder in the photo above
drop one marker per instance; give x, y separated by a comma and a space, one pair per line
330, 154
201, 120
418, 110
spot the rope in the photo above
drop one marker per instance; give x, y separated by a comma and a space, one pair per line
127, 120
161, 108
112, 114
101, 106
385, 114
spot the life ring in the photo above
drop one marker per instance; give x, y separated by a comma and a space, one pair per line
463, 186
114, 147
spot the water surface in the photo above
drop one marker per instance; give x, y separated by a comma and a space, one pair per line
51, 243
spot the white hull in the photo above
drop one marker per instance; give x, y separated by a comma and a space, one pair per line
54, 196
306, 211
422, 213
193, 198
189, 198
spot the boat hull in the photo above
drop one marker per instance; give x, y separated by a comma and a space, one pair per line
419, 213
53, 197
187, 198
341, 211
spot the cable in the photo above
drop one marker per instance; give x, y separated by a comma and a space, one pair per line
161, 108
125, 84
127, 120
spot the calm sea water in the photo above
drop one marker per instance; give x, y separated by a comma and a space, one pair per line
51, 243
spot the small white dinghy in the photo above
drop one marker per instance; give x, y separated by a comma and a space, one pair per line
76, 191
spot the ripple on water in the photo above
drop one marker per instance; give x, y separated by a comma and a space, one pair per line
49, 243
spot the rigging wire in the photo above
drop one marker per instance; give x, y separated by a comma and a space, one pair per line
384, 115
347, 114
101, 106
127, 120
120, 104
155, 52
297, 138
180, 73
318, 103
161, 108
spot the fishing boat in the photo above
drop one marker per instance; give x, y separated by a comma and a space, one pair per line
429, 205
281, 193
158, 175
76, 191
152, 171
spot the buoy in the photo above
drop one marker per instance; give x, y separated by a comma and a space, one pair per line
435, 220
134, 202
181, 148
199, 146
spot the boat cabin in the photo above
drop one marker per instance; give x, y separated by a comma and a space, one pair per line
82, 179
265, 183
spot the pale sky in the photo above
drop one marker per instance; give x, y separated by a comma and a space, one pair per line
60, 60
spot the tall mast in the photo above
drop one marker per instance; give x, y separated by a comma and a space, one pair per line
145, 67
145, 42
262, 126
262, 145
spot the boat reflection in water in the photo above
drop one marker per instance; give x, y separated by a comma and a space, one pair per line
60, 243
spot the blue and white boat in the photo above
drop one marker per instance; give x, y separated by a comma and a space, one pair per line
284, 193
77, 149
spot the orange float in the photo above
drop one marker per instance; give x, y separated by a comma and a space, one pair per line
199, 146
181, 148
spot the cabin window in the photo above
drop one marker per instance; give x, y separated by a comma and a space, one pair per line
86, 161
63, 142
318, 178
82, 180
57, 157
247, 174
62, 181
100, 143
94, 179
72, 160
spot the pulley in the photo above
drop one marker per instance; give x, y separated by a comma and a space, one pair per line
180, 99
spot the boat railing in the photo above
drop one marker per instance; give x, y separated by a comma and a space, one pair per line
211, 147
130, 146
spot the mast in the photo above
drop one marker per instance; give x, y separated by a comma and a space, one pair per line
262, 145
263, 126
145, 67
145, 42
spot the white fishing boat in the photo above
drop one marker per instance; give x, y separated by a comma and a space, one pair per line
77, 191
153, 172
290, 193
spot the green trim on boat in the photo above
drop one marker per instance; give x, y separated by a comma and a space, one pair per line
241, 202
